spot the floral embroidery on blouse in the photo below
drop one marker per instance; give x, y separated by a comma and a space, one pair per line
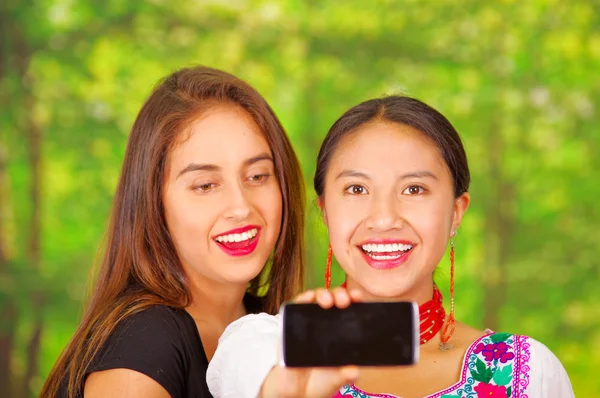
495, 366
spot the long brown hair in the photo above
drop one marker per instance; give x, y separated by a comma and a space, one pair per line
141, 267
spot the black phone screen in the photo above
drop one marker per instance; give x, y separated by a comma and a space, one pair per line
364, 334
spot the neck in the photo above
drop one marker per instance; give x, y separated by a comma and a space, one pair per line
216, 303
420, 293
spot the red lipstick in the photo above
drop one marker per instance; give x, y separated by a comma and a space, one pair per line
239, 241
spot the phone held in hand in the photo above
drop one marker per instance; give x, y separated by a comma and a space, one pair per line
363, 334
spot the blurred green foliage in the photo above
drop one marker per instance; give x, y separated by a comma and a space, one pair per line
519, 80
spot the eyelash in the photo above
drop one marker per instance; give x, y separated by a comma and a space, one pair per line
255, 178
422, 190
200, 188
262, 177
347, 190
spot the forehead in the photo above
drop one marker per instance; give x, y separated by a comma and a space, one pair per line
385, 147
223, 133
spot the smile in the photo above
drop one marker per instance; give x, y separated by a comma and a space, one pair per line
240, 241
386, 254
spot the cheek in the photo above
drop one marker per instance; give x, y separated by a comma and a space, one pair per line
341, 225
187, 225
270, 203
432, 224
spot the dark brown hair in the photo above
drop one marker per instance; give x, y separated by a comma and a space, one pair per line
401, 110
141, 267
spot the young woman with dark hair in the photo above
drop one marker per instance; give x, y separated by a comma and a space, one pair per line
392, 181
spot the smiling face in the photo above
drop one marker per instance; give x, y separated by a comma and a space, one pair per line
390, 209
222, 199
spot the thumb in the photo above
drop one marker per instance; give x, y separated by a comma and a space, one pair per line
326, 382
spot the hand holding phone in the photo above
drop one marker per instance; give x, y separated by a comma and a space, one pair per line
363, 334
316, 382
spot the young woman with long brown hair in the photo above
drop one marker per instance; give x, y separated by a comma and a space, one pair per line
207, 212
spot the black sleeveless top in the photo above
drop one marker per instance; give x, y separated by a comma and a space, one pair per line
163, 343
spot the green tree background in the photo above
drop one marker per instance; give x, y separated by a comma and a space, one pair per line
520, 81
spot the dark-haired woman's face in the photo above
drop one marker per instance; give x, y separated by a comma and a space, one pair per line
390, 210
222, 199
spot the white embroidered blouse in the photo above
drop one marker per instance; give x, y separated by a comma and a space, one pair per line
495, 365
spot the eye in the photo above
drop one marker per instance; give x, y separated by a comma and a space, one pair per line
414, 190
258, 177
209, 186
356, 190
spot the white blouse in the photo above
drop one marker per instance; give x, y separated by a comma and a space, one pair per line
494, 365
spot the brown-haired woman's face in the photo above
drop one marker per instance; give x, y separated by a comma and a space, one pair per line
222, 199
390, 209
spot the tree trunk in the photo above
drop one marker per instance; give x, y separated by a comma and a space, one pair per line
36, 299
499, 226
8, 306
33, 134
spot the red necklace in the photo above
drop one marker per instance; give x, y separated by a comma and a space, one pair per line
432, 316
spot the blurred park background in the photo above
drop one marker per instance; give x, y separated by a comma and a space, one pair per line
519, 80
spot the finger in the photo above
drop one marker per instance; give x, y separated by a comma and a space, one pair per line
308, 296
326, 382
341, 297
350, 374
324, 298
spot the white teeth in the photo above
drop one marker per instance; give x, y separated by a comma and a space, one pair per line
387, 248
237, 237
376, 257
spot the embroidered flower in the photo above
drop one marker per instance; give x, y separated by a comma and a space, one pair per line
490, 391
494, 351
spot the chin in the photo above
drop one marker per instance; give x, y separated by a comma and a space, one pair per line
386, 294
244, 275
385, 287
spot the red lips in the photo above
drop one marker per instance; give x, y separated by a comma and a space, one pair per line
386, 253
239, 241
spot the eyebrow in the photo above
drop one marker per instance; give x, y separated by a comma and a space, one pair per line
212, 167
359, 174
419, 174
352, 173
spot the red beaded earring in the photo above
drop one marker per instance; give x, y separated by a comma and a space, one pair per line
450, 326
328, 268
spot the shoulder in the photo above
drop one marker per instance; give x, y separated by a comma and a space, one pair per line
159, 342
252, 326
518, 362
247, 351
547, 370
248, 333
151, 315
153, 325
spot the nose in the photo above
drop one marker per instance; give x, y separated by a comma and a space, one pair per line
238, 207
384, 214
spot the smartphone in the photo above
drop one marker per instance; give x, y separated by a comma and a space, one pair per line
363, 334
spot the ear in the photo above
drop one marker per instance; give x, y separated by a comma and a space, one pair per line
461, 204
321, 205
